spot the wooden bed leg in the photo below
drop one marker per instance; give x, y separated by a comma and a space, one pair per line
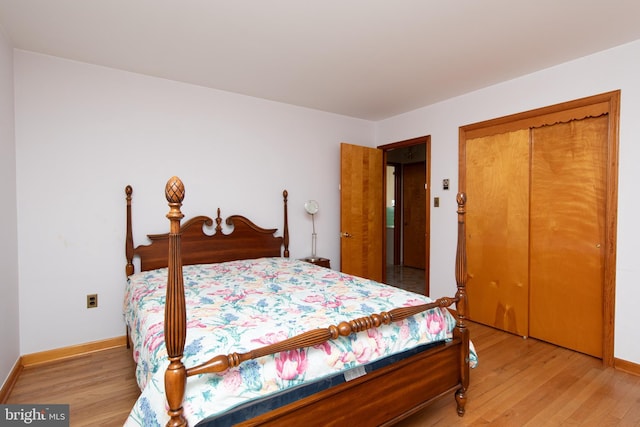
461, 393
461, 305
175, 381
175, 312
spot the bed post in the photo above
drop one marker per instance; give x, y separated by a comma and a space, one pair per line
175, 315
285, 233
128, 248
128, 244
461, 304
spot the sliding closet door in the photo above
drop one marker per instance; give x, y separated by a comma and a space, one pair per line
497, 187
568, 185
568, 227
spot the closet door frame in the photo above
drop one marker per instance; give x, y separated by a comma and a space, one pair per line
609, 103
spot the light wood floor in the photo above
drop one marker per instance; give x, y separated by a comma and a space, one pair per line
100, 387
518, 382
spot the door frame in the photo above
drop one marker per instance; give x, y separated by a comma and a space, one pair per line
426, 140
609, 102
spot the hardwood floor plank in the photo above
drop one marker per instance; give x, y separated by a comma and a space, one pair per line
519, 387
604, 396
632, 417
100, 387
625, 407
522, 382
571, 396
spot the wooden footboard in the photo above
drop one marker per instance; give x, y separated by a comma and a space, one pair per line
382, 397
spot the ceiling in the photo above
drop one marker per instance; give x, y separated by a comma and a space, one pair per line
370, 59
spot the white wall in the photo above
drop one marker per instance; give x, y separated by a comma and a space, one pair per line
613, 69
83, 132
9, 326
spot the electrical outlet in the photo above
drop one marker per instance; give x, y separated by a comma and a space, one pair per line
436, 202
92, 300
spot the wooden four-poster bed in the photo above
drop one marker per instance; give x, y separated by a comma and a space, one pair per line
378, 386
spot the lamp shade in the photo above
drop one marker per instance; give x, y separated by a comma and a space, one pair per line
311, 206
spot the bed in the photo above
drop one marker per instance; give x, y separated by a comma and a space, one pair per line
227, 329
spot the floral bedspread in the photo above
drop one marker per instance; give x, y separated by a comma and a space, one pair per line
241, 305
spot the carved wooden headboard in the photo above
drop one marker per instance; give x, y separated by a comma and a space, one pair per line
245, 241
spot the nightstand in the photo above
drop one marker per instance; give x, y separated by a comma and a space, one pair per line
322, 262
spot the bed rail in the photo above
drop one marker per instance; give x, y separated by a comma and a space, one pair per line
221, 363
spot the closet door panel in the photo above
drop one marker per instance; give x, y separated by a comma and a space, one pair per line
497, 186
568, 176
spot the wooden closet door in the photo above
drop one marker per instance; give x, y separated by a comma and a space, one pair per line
497, 187
568, 184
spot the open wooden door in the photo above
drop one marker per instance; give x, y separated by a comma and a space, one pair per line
361, 211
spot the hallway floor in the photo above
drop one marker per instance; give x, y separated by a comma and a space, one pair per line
408, 278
